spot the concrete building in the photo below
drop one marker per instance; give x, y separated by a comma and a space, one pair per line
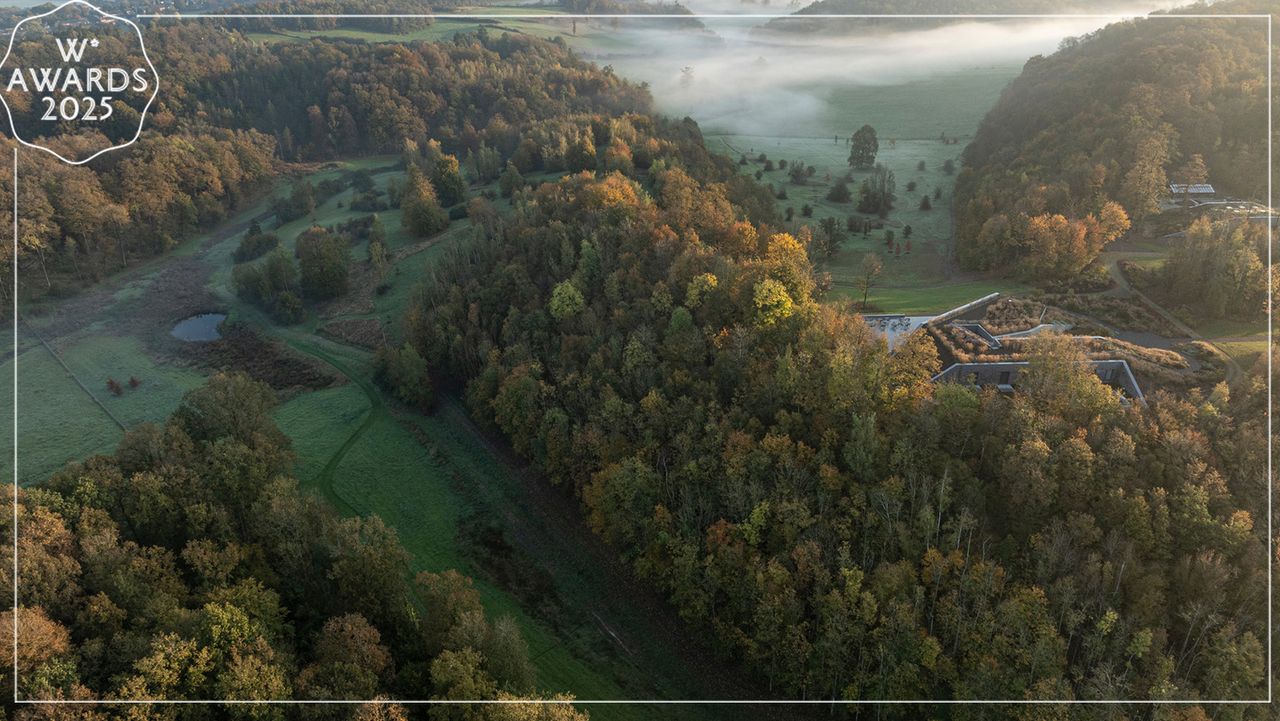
1003, 375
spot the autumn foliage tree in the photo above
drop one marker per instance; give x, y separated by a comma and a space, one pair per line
422, 215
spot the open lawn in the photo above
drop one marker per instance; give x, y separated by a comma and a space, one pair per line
1232, 328
923, 301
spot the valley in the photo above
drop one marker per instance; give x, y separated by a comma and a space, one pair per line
645, 608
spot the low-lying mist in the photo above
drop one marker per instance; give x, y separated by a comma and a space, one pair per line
734, 78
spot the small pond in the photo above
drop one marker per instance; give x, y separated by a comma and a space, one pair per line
199, 328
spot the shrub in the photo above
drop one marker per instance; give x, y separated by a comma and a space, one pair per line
301, 201
368, 202
255, 245
840, 192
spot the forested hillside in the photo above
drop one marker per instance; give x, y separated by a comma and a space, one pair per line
190, 566
1099, 129
325, 95
231, 105
816, 505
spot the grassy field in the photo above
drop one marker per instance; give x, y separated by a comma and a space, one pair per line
922, 301
1246, 352
924, 108
60, 421
1232, 328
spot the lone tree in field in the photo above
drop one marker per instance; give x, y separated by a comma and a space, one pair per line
378, 262
868, 273
797, 174
863, 147
925, 204
405, 373
446, 178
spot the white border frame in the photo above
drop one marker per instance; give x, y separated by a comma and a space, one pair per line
1271, 561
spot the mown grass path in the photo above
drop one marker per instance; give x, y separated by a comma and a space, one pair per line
324, 479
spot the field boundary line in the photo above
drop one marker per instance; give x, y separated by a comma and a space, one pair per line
74, 377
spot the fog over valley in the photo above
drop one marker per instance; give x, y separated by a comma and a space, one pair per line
733, 77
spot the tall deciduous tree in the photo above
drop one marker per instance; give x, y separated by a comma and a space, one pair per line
863, 147
422, 214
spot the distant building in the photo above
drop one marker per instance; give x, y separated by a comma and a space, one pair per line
1003, 375
1198, 189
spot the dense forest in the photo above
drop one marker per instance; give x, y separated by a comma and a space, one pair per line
1087, 140
818, 506
481, 89
79, 223
190, 566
